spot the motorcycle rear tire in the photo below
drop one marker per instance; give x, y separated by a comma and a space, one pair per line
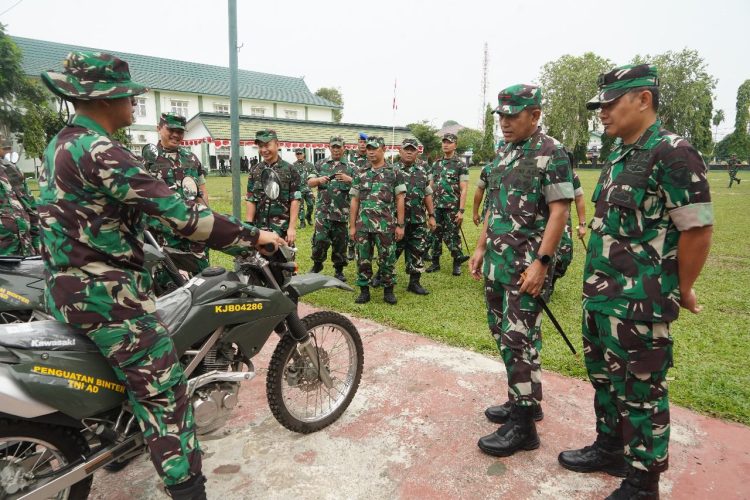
286, 348
67, 441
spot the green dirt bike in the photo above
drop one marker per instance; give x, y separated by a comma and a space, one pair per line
64, 414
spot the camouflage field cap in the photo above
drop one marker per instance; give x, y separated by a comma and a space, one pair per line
375, 142
410, 143
617, 82
516, 98
336, 140
450, 137
172, 120
89, 75
265, 135
299, 151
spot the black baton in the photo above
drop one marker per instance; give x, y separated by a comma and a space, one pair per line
552, 318
461, 228
583, 242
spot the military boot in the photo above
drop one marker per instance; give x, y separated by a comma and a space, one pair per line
501, 413
388, 295
192, 489
435, 265
639, 485
606, 454
375, 281
415, 286
457, 264
364, 295
339, 274
309, 220
518, 433
317, 267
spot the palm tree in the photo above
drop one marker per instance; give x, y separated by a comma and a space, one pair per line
717, 120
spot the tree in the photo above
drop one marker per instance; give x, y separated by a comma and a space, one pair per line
334, 95
685, 95
567, 84
488, 140
717, 120
39, 125
469, 139
426, 134
738, 142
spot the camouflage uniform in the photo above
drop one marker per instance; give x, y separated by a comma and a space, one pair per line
648, 192
19, 220
376, 189
447, 174
733, 166
304, 169
359, 162
274, 214
565, 250
332, 214
416, 234
484, 175
94, 194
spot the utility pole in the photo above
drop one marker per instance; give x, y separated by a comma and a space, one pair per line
234, 110
483, 103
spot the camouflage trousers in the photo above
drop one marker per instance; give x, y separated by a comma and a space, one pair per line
330, 233
627, 363
564, 253
15, 235
447, 230
515, 323
367, 243
733, 177
307, 212
414, 245
144, 359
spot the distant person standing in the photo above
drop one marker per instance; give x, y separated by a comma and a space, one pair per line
19, 220
307, 203
359, 160
733, 166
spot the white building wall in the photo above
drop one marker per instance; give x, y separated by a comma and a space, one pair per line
192, 99
318, 114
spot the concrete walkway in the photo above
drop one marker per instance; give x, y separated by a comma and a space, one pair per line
411, 432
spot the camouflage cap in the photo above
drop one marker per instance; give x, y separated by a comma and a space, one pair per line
299, 151
172, 120
375, 142
514, 99
410, 142
89, 75
265, 135
336, 140
450, 137
619, 81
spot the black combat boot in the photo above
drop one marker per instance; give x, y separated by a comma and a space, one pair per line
339, 274
435, 265
501, 413
639, 485
415, 286
389, 296
317, 267
309, 220
364, 295
606, 454
457, 264
375, 281
518, 433
192, 489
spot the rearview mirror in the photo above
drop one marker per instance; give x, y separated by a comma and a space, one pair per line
149, 154
271, 183
189, 188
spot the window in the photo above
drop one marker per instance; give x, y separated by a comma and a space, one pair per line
258, 111
141, 139
290, 115
140, 106
221, 108
179, 107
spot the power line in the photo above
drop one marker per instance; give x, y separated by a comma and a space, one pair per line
10, 8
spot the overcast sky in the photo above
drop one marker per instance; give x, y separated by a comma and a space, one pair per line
433, 48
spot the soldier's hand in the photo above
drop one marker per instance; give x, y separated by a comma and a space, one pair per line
266, 237
431, 224
475, 264
532, 279
476, 219
341, 176
689, 301
458, 219
322, 181
581, 231
352, 233
399, 233
291, 236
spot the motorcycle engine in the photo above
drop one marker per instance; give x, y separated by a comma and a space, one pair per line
212, 405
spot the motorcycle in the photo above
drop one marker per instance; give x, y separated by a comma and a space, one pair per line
64, 414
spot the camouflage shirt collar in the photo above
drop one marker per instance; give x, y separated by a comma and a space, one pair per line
645, 141
533, 142
164, 150
86, 122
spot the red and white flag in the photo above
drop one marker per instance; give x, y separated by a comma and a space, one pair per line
395, 106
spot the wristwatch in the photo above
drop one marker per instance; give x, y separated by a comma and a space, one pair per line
400, 225
544, 259
462, 210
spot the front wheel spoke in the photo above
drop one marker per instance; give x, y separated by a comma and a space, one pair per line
49, 458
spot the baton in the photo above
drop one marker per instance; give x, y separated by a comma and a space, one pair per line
461, 228
552, 318
583, 242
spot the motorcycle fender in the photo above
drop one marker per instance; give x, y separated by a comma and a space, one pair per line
15, 401
311, 282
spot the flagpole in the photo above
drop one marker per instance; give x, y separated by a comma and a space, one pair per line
393, 135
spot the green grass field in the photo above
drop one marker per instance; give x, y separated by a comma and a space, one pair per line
712, 349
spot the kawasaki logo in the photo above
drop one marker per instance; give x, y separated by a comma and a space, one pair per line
52, 343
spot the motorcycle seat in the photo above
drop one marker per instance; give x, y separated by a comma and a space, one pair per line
173, 307
47, 335
30, 266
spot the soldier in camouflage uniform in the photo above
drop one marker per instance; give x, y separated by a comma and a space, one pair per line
565, 251
333, 178
733, 166
419, 216
650, 236
19, 220
173, 164
450, 178
530, 187
480, 207
280, 215
359, 160
94, 194
376, 219
305, 168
